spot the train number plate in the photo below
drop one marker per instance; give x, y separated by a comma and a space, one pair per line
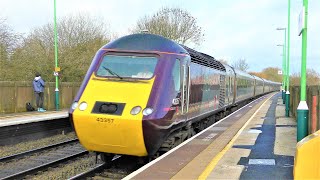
105, 120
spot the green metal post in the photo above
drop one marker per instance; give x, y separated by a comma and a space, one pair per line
284, 65
283, 70
56, 58
284, 62
288, 67
283, 73
302, 110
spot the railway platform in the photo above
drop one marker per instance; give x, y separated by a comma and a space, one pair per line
257, 141
30, 117
21, 127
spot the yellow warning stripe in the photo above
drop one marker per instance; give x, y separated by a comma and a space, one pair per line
217, 158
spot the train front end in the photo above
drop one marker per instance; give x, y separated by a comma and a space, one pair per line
118, 94
108, 115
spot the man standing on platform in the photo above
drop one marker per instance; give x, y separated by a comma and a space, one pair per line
38, 87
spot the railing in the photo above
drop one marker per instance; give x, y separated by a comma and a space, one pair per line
15, 95
295, 99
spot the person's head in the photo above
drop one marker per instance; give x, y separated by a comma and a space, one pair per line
38, 74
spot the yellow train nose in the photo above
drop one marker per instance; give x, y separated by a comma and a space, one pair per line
106, 124
110, 134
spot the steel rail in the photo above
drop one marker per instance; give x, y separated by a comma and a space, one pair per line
44, 166
94, 170
21, 155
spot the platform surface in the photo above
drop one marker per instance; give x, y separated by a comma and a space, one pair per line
29, 117
257, 141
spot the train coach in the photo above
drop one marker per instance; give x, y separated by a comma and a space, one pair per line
144, 94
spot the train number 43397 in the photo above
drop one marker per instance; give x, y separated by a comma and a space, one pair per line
105, 120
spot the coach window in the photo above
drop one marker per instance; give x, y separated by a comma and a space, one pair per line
176, 75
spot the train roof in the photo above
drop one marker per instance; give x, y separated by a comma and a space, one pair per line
257, 77
242, 73
228, 67
146, 42
153, 42
204, 59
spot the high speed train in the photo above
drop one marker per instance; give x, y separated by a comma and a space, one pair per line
144, 93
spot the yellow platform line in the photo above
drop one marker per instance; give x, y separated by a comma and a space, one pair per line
217, 158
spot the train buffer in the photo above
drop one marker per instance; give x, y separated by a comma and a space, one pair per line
255, 142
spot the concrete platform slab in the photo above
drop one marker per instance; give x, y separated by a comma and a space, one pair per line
29, 117
269, 153
258, 142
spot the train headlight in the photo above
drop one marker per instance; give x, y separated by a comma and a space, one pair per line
83, 106
147, 111
135, 110
74, 105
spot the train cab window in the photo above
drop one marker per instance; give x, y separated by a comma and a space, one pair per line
141, 67
176, 75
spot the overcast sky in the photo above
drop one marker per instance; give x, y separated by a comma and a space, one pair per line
233, 28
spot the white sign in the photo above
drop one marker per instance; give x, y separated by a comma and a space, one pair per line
55, 73
280, 72
301, 21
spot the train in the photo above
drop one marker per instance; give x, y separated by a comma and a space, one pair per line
144, 94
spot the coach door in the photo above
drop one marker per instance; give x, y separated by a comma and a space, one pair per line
229, 88
185, 83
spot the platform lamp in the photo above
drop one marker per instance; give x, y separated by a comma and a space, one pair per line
303, 110
283, 69
284, 65
288, 65
57, 68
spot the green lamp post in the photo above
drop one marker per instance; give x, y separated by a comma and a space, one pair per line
284, 65
283, 70
57, 68
287, 97
302, 110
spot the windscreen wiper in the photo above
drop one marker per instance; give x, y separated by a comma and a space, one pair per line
113, 73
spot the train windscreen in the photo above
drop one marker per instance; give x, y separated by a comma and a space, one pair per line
141, 67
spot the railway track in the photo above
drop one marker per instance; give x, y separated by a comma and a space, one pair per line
44, 159
118, 168
30, 162
126, 164
26, 153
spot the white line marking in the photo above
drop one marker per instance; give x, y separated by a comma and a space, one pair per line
254, 131
270, 162
180, 145
209, 137
218, 128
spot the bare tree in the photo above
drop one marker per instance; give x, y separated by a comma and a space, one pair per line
241, 64
9, 40
79, 37
173, 23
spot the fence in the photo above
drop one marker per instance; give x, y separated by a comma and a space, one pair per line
15, 95
295, 99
